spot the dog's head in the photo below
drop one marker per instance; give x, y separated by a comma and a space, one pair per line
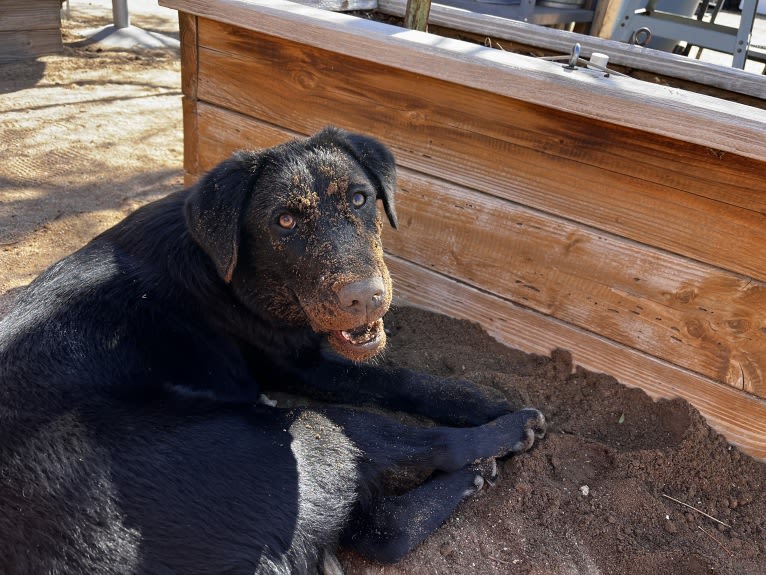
295, 230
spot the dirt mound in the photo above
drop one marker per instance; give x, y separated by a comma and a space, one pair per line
591, 497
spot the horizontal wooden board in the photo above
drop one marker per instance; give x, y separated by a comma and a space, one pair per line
740, 417
30, 15
680, 197
696, 316
735, 180
656, 109
340, 5
29, 44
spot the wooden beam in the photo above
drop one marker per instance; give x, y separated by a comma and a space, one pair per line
416, 14
620, 100
189, 56
340, 5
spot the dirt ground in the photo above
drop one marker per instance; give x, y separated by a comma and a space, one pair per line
86, 137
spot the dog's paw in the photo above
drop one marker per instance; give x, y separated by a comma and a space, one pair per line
485, 474
533, 427
487, 470
478, 484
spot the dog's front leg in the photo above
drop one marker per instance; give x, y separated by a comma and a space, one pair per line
386, 528
447, 401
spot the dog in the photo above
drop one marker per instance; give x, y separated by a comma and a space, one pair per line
135, 436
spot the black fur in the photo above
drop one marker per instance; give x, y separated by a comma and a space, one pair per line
132, 436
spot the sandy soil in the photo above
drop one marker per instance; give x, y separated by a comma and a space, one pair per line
591, 497
86, 137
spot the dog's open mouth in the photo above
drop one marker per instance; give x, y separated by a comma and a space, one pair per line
361, 342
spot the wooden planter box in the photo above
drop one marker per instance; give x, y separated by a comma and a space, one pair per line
621, 220
29, 28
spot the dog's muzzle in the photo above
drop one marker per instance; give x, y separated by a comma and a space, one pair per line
365, 301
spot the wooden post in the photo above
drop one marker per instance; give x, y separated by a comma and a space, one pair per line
416, 14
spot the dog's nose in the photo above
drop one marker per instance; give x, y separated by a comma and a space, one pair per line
363, 296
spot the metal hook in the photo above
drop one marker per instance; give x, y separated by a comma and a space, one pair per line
641, 37
574, 56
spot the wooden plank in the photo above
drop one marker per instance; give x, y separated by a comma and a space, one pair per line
689, 314
656, 109
29, 44
189, 56
740, 417
516, 150
17, 15
191, 137
416, 14
534, 12
189, 39
696, 316
340, 5
222, 132
736, 180
620, 53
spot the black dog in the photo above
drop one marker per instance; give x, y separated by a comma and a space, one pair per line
132, 438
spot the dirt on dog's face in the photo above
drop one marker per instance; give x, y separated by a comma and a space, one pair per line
311, 251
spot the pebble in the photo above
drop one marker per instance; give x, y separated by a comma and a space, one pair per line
670, 527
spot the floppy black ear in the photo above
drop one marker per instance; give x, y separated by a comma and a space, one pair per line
214, 208
378, 163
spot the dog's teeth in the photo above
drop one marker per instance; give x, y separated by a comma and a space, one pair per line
360, 335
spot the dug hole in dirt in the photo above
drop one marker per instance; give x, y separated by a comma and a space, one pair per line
87, 136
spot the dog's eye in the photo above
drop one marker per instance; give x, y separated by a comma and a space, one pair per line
286, 221
358, 199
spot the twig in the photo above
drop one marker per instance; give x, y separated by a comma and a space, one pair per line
716, 540
500, 560
697, 510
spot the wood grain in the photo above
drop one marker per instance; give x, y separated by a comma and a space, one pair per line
29, 43
18, 15
739, 416
189, 56
636, 185
696, 316
340, 5
191, 139
652, 108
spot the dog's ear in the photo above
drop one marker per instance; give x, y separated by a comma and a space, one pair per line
378, 163
214, 208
